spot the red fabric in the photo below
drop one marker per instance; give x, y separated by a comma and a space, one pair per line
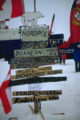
3, 95
1, 4
64, 56
74, 26
65, 44
17, 8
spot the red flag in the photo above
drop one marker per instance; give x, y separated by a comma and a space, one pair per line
74, 25
75, 22
5, 93
11, 9
1, 4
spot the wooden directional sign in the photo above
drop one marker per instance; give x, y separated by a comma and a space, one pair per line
32, 65
29, 60
36, 80
32, 62
33, 70
36, 74
34, 44
36, 52
36, 98
25, 93
35, 33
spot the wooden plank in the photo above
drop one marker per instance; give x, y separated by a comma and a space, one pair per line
47, 92
33, 70
36, 52
32, 99
34, 44
29, 60
36, 74
36, 62
35, 33
32, 65
36, 80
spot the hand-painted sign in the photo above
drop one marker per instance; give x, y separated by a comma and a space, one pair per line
25, 93
34, 44
36, 52
35, 33
33, 70
36, 98
35, 74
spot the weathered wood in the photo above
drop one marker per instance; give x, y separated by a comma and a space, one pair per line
25, 93
36, 62
33, 70
29, 60
34, 44
32, 99
36, 33
36, 80
36, 52
36, 74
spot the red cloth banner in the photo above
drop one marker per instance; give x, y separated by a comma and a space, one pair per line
74, 25
11, 9
4, 96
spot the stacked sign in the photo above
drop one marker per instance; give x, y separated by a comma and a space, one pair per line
33, 54
34, 48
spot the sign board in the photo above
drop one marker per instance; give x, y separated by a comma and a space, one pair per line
36, 74
25, 93
36, 80
33, 70
36, 98
34, 44
35, 33
32, 62
36, 52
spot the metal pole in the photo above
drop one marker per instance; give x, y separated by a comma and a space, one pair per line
34, 5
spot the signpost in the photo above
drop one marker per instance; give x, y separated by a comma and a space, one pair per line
37, 97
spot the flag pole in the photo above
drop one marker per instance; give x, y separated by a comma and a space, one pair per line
34, 5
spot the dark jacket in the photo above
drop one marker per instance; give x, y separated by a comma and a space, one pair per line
76, 54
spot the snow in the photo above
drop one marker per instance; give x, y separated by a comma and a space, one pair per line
68, 103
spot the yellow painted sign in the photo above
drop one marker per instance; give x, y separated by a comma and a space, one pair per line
33, 70
36, 74
36, 98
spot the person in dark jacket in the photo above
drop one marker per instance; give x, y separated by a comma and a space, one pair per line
76, 56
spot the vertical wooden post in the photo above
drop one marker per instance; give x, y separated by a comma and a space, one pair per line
36, 106
34, 5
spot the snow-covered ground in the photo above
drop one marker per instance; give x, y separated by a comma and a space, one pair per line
68, 103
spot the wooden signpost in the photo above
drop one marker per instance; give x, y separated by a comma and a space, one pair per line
36, 52
37, 97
